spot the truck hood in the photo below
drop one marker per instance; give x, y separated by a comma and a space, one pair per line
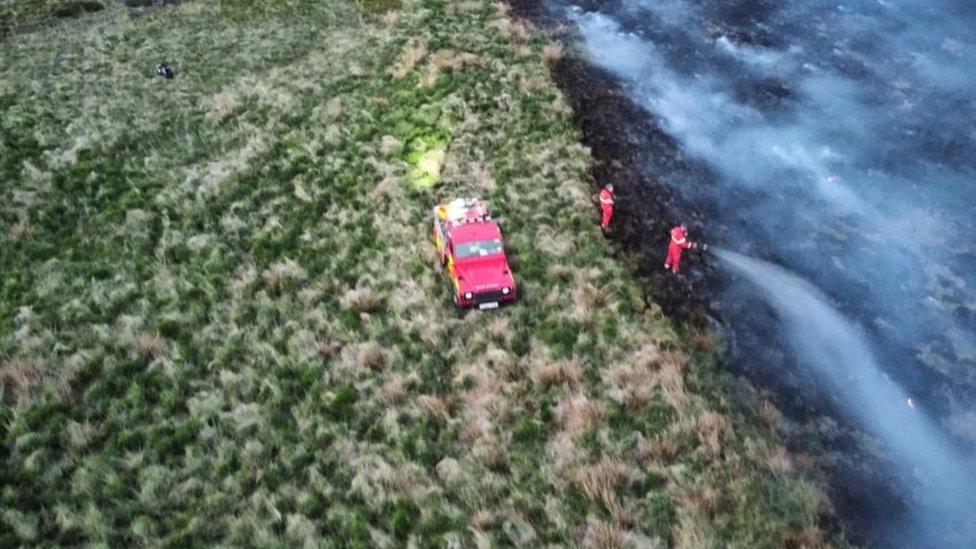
484, 274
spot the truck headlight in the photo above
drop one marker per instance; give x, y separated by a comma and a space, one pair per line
468, 295
506, 291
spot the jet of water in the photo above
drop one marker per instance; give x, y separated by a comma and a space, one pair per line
837, 351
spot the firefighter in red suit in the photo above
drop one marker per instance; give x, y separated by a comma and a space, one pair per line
679, 243
606, 205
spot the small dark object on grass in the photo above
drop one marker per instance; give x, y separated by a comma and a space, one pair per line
162, 69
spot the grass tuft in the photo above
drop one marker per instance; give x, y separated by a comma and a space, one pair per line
17, 378
601, 481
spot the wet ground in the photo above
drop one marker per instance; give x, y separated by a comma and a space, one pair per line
666, 169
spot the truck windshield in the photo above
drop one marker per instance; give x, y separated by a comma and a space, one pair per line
478, 248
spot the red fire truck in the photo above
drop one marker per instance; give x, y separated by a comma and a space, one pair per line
469, 245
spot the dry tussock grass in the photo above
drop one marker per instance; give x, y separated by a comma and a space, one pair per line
625, 514
209, 180
363, 299
666, 447
387, 189
547, 374
281, 272
328, 348
378, 481
18, 377
81, 434
473, 430
333, 108
148, 346
246, 415
389, 144
587, 301
554, 243
700, 501
484, 405
223, 104
563, 455
533, 84
778, 460
449, 470
498, 360
552, 52
601, 481
518, 31
306, 345
647, 356
561, 272
272, 94
396, 387
484, 400
604, 535
630, 385
490, 451
574, 191
693, 533
302, 193
634, 382
362, 357
500, 331
672, 380
713, 430
473, 173
412, 54
653, 452
524, 52
483, 520
444, 61
480, 177
299, 528
434, 405
576, 413
246, 276
463, 7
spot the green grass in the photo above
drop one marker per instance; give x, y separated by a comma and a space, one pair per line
17, 14
221, 321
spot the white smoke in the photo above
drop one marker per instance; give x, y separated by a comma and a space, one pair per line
850, 159
836, 349
860, 177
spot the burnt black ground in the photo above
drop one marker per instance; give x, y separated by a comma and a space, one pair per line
629, 148
624, 140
